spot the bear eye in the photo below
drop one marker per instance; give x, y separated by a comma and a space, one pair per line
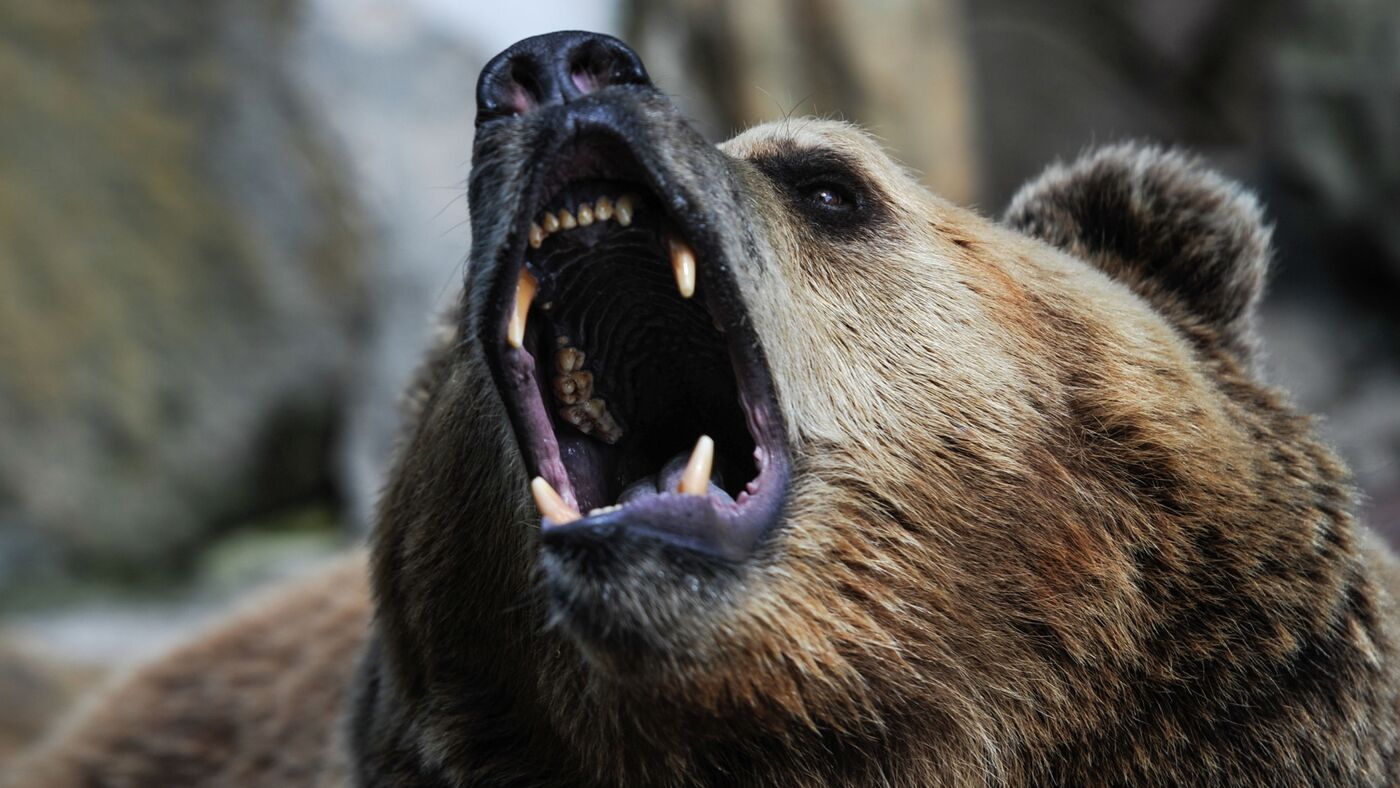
830, 196
825, 188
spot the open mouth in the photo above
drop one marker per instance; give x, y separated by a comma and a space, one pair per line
638, 389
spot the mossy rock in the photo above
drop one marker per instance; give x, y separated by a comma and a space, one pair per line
180, 279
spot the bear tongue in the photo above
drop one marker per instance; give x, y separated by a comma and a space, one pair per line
668, 480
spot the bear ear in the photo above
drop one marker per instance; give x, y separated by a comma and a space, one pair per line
1190, 242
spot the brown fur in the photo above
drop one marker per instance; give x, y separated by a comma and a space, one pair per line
1046, 528
251, 703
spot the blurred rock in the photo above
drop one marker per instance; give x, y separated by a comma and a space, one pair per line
181, 285
900, 68
399, 93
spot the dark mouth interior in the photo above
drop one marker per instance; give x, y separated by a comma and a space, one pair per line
619, 373
609, 319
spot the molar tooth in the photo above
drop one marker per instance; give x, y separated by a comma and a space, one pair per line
567, 220
585, 214
550, 504
607, 429
536, 235
683, 264
695, 479
573, 388
575, 415
595, 408
548, 223
623, 210
603, 208
524, 293
568, 359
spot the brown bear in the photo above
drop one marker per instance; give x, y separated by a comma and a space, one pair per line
760, 465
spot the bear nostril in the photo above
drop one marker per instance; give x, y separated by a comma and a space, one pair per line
523, 89
554, 69
600, 62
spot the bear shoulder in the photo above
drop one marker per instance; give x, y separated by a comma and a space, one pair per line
253, 702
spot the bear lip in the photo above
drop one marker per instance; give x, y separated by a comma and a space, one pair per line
597, 163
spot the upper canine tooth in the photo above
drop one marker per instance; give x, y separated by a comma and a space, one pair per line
683, 263
603, 208
623, 210
536, 235
585, 214
549, 223
550, 504
695, 479
524, 293
566, 219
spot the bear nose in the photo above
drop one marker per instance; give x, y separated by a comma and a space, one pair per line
555, 68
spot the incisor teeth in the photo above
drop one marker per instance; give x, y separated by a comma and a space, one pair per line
695, 479
566, 219
549, 223
536, 235
603, 208
683, 263
623, 210
550, 504
524, 294
585, 214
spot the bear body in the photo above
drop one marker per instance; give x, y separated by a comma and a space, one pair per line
1019, 510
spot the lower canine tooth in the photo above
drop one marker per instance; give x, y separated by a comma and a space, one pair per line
695, 479
550, 504
524, 294
683, 264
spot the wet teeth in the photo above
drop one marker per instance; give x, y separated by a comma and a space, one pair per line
550, 504
603, 208
695, 479
683, 263
622, 211
524, 294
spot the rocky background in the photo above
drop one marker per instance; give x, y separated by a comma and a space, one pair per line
225, 227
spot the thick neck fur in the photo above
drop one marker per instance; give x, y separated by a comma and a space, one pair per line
1175, 624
